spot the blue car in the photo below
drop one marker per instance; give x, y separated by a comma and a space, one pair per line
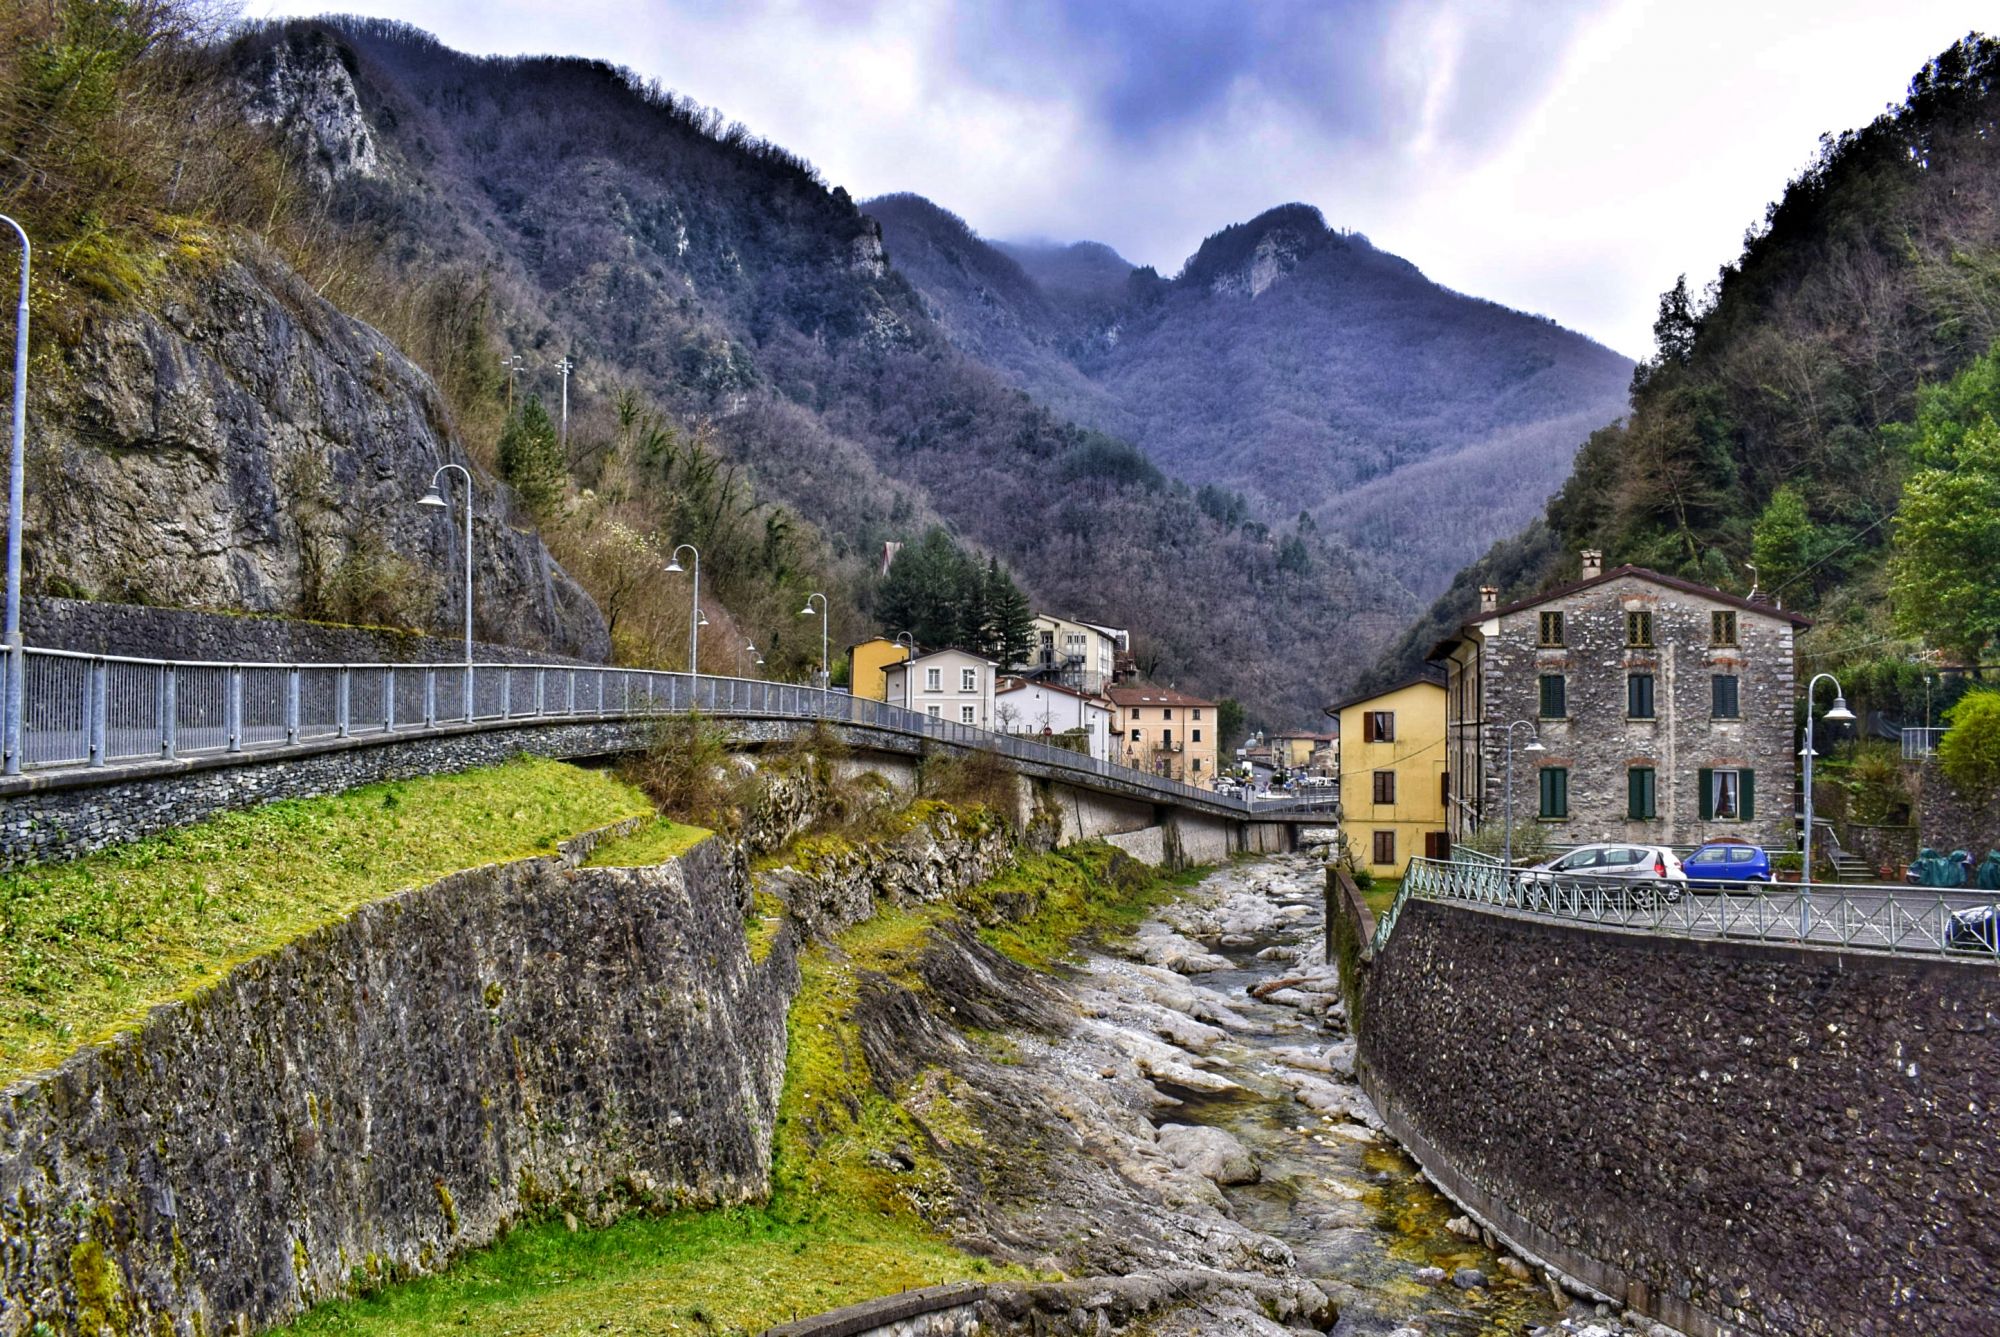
1727, 864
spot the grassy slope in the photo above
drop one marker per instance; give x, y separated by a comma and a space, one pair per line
839, 1227
654, 843
88, 948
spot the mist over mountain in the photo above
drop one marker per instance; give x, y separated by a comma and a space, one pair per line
1294, 363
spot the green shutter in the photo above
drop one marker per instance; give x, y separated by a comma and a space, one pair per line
1635, 798
1707, 783
1749, 783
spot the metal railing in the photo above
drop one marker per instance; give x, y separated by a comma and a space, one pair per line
84, 711
1921, 743
1900, 919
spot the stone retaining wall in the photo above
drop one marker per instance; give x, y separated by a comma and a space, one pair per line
1733, 1137
1949, 819
41, 824
88, 627
934, 1311
397, 1088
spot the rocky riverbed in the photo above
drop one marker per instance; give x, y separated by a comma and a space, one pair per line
1215, 1153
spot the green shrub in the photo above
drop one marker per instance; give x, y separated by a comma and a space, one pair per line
1969, 754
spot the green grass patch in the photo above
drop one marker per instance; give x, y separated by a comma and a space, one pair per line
1040, 908
1382, 895
655, 842
88, 948
729, 1271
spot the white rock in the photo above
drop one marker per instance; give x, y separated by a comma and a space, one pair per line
1209, 1152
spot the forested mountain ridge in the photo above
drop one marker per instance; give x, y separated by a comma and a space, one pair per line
1293, 363
1767, 441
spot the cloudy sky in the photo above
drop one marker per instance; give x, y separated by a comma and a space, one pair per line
1568, 157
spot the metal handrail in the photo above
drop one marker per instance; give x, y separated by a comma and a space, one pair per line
86, 711
1880, 918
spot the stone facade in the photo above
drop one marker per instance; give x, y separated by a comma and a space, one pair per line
1496, 670
1948, 818
1730, 1136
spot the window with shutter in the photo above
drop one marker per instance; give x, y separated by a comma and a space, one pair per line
1723, 702
1385, 786
1639, 696
1385, 847
1555, 696
1555, 792
1640, 788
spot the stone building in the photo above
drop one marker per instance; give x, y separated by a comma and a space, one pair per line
1665, 709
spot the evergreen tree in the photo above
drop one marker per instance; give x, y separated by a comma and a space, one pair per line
531, 457
1013, 619
1784, 542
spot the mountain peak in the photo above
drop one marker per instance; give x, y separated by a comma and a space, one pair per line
1247, 258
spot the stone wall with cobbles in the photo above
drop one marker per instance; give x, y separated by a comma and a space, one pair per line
1731, 1136
1949, 818
88, 627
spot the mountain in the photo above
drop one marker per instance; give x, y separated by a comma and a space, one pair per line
670, 254
1293, 363
1770, 427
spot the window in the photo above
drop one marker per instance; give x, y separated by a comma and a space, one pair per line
1640, 794
1385, 847
1167, 738
933, 680
1722, 628
965, 714
935, 712
1195, 736
1444, 788
1385, 786
1639, 696
1723, 702
968, 680
1728, 795
1555, 696
1437, 845
1378, 726
1197, 765
1552, 629
1167, 714
1555, 792
1638, 628
1197, 712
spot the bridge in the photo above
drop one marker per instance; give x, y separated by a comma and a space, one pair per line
110, 747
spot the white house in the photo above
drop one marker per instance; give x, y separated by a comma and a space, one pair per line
1081, 655
946, 685
1039, 709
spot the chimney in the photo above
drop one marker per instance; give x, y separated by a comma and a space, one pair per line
1489, 598
1593, 563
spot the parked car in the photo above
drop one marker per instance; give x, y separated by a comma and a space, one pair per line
1974, 930
1727, 864
1655, 868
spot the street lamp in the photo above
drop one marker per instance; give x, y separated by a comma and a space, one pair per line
1839, 714
694, 606
17, 657
756, 658
909, 662
825, 679
1507, 803
435, 497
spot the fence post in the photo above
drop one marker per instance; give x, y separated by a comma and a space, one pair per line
340, 688
292, 704
232, 708
600, 691
430, 697
389, 700
169, 713
96, 690
541, 692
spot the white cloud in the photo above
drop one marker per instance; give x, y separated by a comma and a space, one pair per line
1562, 163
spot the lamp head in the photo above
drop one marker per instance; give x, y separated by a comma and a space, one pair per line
431, 498
1534, 745
760, 661
1840, 714
808, 610
674, 566
701, 619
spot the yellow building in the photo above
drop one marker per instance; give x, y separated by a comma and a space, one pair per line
1294, 751
1164, 731
870, 662
1394, 780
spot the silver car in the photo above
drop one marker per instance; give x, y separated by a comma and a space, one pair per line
1654, 867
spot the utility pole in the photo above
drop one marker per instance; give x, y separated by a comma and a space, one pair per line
565, 367
513, 366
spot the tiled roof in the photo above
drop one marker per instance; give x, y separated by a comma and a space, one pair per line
1147, 695
1415, 679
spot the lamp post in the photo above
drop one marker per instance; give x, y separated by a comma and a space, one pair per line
17, 658
757, 659
1507, 803
512, 365
694, 606
909, 661
435, 497
565, 367
1839, 714
825, 679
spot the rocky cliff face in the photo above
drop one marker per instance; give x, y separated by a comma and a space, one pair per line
241, 444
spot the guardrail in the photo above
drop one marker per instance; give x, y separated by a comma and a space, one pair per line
82, 711
1898, 919
1921, 743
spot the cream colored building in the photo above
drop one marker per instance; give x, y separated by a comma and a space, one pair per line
1394, 777
1082, 655
946, 685
1165, 732
1039, 709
